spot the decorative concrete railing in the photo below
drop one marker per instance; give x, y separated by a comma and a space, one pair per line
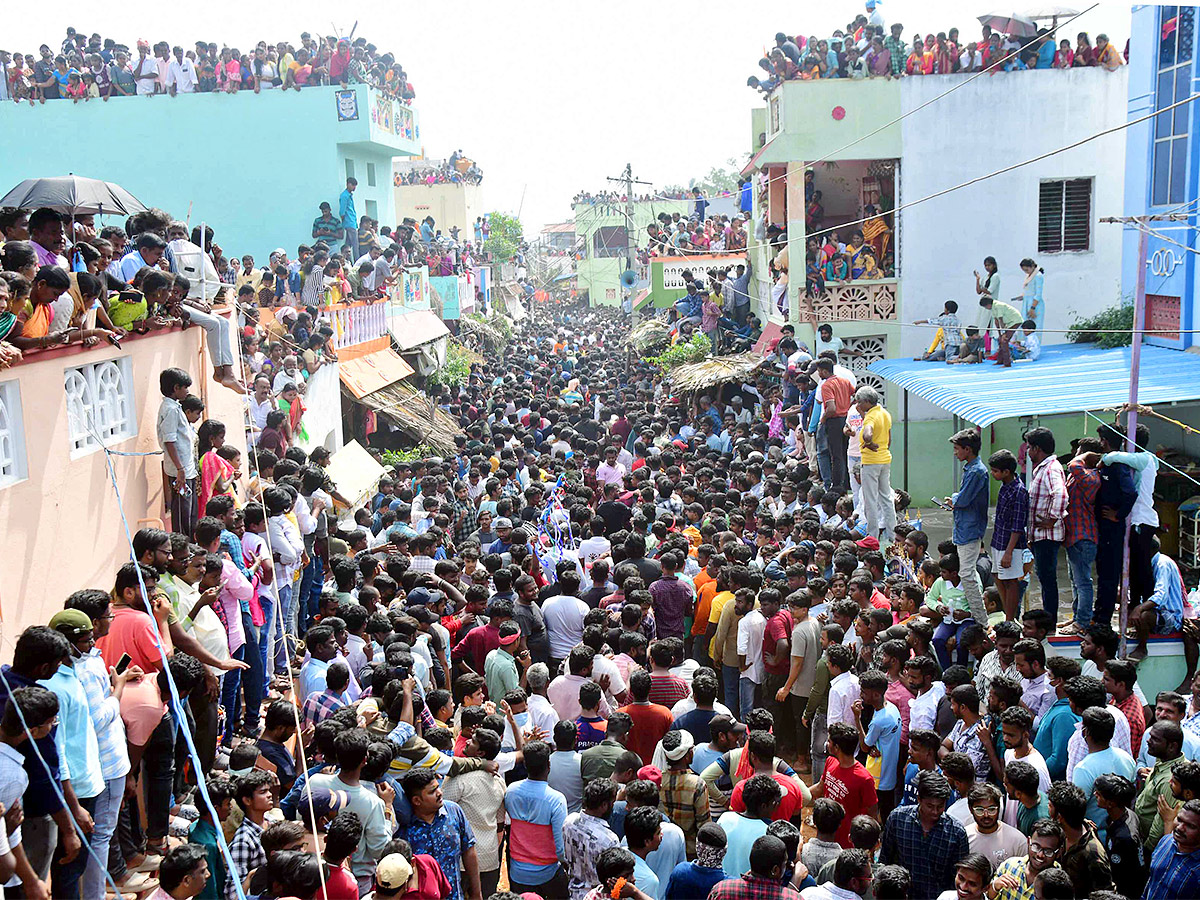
855, 301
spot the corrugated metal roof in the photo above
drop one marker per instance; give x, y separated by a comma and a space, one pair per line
1065, 378
415, 328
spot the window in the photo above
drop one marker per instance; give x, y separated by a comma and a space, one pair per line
370, 174
609, 241
1065, 215
100, 405
1169, 174
349, 167
13, 462
372, 209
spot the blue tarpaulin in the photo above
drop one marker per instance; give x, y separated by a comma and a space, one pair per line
1065, 378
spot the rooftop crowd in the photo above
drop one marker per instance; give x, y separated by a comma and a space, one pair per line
455, 170
86, 68
869, 47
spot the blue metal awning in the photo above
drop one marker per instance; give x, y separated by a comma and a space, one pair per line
1065, 378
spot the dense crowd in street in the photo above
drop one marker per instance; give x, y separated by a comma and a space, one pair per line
868, 47
94, 67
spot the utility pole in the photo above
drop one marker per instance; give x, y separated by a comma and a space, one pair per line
1135, 361
629, 181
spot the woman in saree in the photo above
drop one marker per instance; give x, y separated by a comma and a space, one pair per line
876, 232
217, 474
856, 250
8, 321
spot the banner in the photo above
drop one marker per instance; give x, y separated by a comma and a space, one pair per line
393, 116
673, 267
416, 288
446, 287
466, 294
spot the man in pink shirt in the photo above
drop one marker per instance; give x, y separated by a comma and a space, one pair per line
610, 471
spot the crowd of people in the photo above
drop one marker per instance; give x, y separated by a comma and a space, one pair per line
622, 642
93, 67
870, 48
455, 170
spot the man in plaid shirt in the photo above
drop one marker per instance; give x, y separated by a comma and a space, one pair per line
1047, 513
464, 519
320, 706
925, 839
1083, 534
899, 51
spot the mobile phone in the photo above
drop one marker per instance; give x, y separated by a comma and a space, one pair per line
938, 503
123, 663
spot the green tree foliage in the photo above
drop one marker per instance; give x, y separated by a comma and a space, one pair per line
694, 350
455, 370
1099, 329
505, 236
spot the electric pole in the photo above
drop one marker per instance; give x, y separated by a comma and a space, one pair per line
1141, 223
629, 181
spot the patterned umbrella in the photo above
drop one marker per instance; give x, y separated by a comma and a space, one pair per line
1009, 23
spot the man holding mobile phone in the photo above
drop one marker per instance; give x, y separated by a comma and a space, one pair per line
969, 505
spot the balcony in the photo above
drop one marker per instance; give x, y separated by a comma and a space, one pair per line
357, 323
855, 301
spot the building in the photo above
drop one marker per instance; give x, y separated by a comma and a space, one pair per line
1048, 211
264, 190
602, 232
1161, 170
452, 204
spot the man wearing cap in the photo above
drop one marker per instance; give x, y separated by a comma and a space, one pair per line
75, 740
503, 542
684, 793
505, 667
392, 877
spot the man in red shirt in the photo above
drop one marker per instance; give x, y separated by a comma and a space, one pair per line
846, 780
472, 649
777, 661
761, 748
665, 689
836, 394
650, 721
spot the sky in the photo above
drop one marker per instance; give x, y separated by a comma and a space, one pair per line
549, 98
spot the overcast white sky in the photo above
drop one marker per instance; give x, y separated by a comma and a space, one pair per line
549, 97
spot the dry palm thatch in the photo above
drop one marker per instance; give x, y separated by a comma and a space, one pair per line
649, 335
487, 334
415, 413
715, 370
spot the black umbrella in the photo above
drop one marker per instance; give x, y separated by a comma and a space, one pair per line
73, 194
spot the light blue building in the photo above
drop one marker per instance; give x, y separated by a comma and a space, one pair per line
255, 167
1161, 169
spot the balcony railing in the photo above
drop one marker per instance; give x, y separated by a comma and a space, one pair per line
357, 323
855, 301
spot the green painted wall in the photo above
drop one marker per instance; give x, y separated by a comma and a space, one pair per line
601, 275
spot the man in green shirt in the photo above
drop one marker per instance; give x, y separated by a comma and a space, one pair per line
599, 761
504, 668
818, 701
204, 833
1165, 743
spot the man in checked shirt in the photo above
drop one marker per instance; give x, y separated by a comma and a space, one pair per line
1047, 513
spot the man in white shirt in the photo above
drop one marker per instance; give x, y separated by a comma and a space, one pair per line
181, 74
564, 617
922, 711
843, 684
750, 630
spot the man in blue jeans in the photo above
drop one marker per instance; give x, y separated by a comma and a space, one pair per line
1047, 512
970, 505
1083, 537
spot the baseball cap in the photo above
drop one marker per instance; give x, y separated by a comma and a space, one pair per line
423, 615
868, 543
393, 872
503, 522
722, 723
418, 597
71, 622
324, 801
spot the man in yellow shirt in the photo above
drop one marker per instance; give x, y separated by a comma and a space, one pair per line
875, 441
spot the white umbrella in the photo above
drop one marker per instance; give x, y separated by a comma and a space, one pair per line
1049, 11
1009, 23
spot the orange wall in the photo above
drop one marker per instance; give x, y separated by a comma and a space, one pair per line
61, 526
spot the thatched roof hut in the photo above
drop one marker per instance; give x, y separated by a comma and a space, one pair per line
414, 413
715, 371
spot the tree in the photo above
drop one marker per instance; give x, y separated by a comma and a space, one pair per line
718, 179
505, 236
